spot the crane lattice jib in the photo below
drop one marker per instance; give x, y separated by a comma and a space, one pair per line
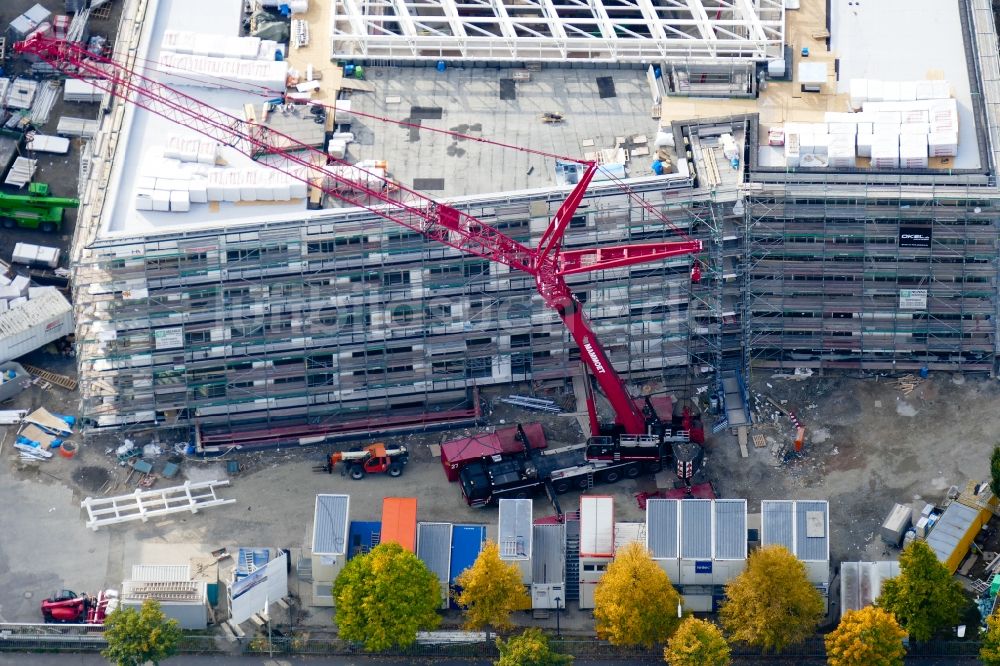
436, 221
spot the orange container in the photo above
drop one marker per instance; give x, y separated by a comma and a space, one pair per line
67, 449
399, 521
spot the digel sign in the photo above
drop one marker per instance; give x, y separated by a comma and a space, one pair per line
914, 237
592, 353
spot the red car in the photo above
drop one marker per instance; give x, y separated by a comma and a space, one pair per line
68, 606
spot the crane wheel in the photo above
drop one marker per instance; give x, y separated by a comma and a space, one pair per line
581, 483
632, 471
561, 488
357, 473
653, 467
7, 223
48, 227
395, 469
611, 476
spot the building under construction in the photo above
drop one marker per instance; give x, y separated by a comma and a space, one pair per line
264, 313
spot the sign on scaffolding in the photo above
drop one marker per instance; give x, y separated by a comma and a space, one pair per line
912, 299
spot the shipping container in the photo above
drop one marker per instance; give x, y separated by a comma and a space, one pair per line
363, 536
896, 524
548, 564
35, 255
34, 324
466, 544
329, 544
399, 522
514, 534
954, 532
434, 550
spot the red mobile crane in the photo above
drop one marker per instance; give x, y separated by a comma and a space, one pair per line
549, 263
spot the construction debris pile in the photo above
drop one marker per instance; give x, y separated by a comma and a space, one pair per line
43, 433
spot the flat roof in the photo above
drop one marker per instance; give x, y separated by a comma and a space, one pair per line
696, 529
434, 549
906, 40
514, 533
662, 528
548, 554
330, 525
144, 133
730, 529
887, 41
399, 521
557, 30
950, 529
597, 526
598, 106
861, 582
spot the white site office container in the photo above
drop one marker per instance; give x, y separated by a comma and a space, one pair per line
45, 143
81, 90
35, 255
35, 324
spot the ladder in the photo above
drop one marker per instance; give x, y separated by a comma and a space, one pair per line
67, 383
145, 504
572, 560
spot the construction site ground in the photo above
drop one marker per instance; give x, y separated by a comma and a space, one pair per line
868, 446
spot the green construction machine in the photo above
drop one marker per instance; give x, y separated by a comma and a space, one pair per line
34, 210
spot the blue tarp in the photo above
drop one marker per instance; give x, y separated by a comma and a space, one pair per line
360, 536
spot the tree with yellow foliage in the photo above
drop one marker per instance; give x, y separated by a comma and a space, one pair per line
771, 604
989, 651
634, 602
491, 590
697, 643
866, 637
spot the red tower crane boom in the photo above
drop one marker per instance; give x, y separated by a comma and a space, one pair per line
548, 263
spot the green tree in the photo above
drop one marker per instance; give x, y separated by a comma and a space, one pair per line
995, 471
867, 637
771, 604
697, 643
634, 602
530, 648
989, 651
137, 636
923, 597
384, 597
491, 590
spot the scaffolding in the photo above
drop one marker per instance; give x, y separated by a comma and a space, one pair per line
631, 31
901, 280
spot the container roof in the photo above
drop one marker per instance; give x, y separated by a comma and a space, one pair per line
597, 526
514, 529
548, 554
330, 525
434, 549
778, 523
466, 544
731, 529
399, 521
861, 582
696, 529
161, 572
950, 528
662, 528
812, 531
626, 533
